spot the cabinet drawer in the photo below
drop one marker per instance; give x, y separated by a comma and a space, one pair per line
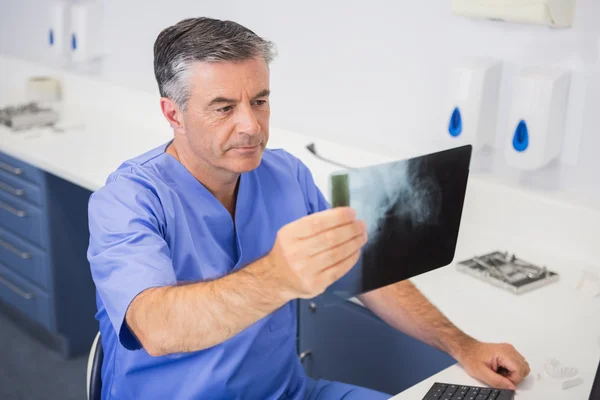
20, 188
20, 169
24, 259
22, 295
22, 218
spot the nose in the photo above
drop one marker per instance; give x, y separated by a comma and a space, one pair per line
247, 122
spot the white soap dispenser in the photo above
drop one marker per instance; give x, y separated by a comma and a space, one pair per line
58, 28
537, 117
87, 30
472, 104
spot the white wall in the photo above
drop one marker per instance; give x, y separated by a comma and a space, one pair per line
371, 74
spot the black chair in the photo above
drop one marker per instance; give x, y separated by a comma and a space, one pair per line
94, 370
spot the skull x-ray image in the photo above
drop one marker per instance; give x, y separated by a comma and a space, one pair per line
412, 209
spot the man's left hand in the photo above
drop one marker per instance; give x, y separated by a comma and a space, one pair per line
499, 365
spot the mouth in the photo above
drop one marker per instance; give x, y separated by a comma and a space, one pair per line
247, 149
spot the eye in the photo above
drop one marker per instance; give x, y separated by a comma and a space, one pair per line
224, 110
260, 102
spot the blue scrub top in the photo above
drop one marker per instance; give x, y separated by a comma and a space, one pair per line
153, 224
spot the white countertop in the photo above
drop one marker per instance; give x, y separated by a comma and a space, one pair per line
555, 321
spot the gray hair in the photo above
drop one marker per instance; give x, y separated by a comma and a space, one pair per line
202, 40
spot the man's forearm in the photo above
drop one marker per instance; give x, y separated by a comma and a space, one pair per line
200, 315
404, 307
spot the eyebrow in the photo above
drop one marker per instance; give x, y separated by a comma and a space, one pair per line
262, 93
220, 99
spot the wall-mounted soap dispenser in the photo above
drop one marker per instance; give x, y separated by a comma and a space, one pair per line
537, 117
86, 39
76, 30
58, 28
473, 103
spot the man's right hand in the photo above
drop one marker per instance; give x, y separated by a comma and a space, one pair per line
315, 251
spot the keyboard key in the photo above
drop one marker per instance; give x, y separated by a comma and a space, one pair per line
505, 395
485, 391
494, 394
458, 396
473, 392
446, 396
436, 391
481, 397
451, 388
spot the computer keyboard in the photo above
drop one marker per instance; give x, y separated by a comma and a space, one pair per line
447, 391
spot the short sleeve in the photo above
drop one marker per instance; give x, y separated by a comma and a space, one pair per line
127, 252
315, 201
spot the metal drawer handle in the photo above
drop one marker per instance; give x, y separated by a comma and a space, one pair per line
23, 254
12, 190
11, 169
17, 290
305, 354
12, 210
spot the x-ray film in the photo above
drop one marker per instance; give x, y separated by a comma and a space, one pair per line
412, 209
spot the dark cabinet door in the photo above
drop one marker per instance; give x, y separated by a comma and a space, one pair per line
346, 342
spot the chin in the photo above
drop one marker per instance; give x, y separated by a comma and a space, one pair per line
247, 162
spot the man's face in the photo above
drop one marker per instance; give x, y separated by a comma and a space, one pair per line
226, 122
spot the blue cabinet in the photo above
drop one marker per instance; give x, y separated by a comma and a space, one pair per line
23, 218
20, 169
346, 342
45, 280
24, 258
26, 297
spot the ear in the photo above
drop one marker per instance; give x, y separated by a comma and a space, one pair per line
172, 113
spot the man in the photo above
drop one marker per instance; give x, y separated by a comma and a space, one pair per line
199, 247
